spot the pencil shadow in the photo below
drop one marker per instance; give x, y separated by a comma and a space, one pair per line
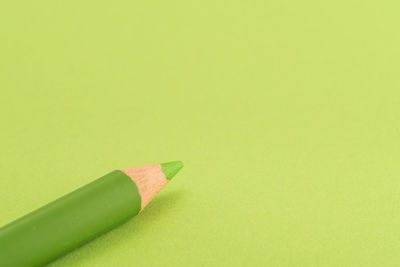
124, 233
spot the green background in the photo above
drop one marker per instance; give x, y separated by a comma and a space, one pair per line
285, 113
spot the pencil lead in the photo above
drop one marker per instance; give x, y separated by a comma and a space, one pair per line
170, 169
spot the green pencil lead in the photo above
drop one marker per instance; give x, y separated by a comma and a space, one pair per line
170, 169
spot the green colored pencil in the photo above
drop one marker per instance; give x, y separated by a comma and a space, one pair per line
64, 224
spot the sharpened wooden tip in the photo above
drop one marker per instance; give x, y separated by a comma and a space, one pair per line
151, 179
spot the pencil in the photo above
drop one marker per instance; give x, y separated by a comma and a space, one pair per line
70, 221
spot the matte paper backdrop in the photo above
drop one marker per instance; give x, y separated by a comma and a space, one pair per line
285, 113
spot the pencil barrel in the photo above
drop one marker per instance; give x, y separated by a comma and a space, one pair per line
69, 221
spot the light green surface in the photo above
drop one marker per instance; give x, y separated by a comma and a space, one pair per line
285, 113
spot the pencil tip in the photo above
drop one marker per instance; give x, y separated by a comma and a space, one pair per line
170, 169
